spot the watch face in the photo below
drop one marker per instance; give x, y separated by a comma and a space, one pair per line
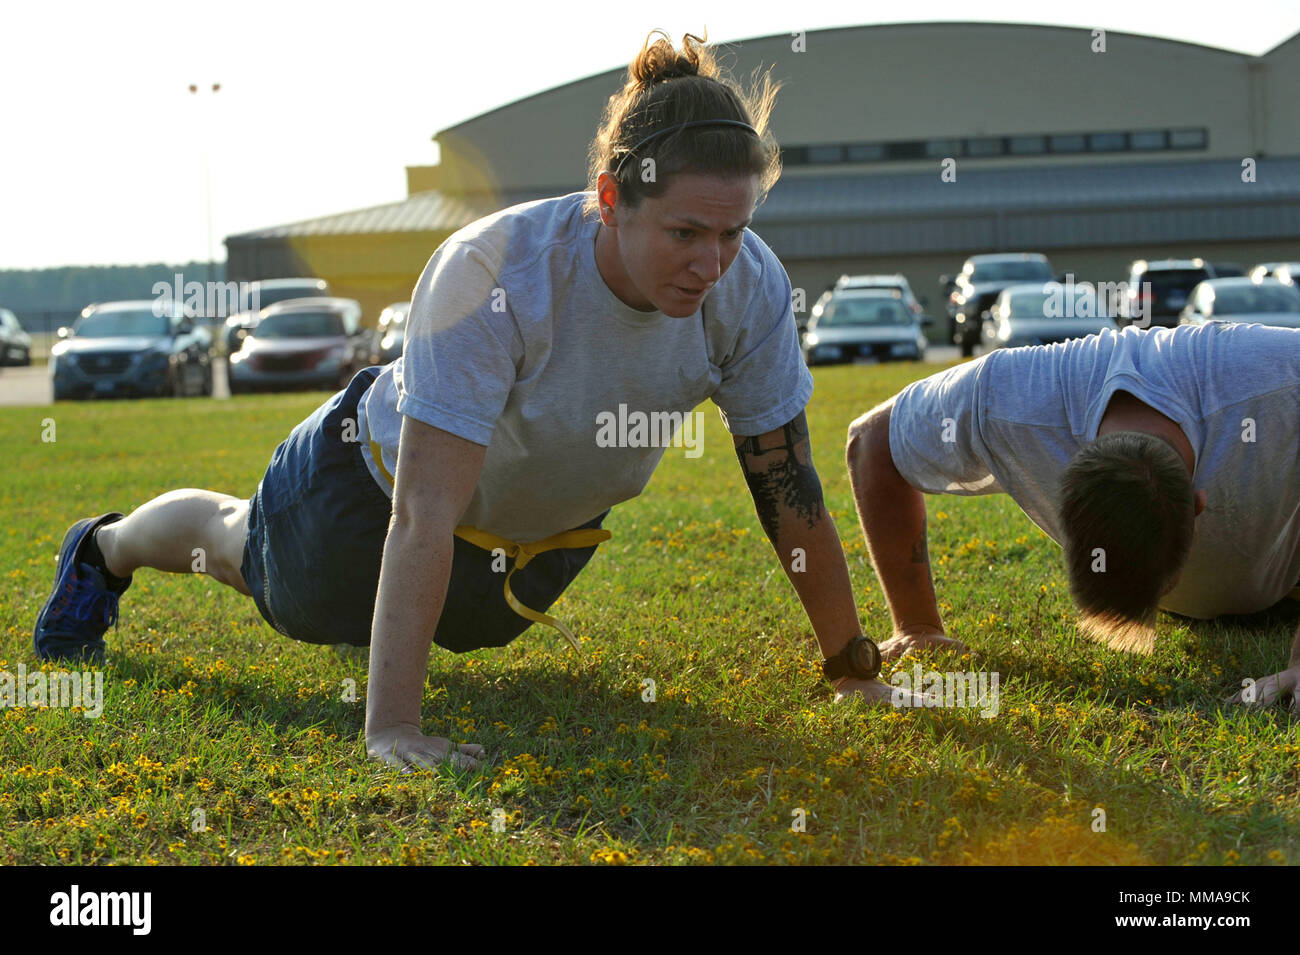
864, 659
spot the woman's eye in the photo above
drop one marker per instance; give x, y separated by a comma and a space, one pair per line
683, 233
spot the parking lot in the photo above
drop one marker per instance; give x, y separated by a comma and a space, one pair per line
31, 386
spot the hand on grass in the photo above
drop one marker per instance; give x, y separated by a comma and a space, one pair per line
909, 639
403, 746
1268, 690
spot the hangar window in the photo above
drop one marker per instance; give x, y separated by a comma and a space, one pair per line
1027, 145
1149, 139
1068, 143
942, 148
866, 152
820, 154
987, 146
1187, 139
1107, 142
913, 149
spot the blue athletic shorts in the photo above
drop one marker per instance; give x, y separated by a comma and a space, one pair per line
316, 530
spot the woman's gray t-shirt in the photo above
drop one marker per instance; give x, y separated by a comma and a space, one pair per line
515, 342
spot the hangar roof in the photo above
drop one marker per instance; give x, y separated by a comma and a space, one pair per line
1035, 206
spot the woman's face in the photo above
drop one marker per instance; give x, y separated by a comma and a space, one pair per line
667, 253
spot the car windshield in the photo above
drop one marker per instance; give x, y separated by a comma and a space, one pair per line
863, 311
1037, 304
1248, 299
1010, 272
124, 323
1164, 281
269, 296
300, 325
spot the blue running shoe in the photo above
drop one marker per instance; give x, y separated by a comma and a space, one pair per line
82, 606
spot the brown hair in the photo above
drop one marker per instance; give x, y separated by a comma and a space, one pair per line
666, 87
1127, 516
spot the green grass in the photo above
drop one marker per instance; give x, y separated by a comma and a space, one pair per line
207, 708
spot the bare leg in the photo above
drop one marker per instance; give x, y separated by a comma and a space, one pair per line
181, 532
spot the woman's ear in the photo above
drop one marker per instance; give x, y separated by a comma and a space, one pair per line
607, 199
1198, 503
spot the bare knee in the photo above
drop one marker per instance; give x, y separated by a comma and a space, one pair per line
226, 533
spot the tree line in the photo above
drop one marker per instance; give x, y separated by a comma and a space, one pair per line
35, 295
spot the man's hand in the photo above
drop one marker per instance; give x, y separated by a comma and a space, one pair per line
1270, 689
404, 746
873, 691
909, 639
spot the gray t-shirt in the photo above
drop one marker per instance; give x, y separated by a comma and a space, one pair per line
1012, 420
514, 341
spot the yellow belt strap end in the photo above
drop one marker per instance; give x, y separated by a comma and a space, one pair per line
522, 553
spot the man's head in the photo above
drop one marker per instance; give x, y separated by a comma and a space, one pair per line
1128, 511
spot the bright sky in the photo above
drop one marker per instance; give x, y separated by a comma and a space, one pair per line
322, 106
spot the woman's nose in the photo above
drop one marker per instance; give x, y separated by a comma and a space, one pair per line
708, 265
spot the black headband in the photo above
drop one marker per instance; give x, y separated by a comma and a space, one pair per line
618, 170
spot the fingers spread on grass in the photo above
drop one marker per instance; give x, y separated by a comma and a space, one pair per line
1267, 690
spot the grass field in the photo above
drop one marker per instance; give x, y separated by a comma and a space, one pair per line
207, 709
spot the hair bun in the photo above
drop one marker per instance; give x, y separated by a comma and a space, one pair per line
661, 61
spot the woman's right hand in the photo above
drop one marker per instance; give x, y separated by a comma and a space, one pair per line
404, 746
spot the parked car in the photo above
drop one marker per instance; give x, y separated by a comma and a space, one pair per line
1158, 290
862, 323
129, 349
1226, 270
1036, 314
266, 293
1268, 302
982, 278
301, 343
15, 344
1288, 272
898, 282
390, 334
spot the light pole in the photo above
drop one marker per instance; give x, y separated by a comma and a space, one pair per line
207, 179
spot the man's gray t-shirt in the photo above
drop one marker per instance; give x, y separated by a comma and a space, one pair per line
1012, 420
514, 341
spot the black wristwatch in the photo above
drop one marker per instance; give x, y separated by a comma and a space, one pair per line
861, 658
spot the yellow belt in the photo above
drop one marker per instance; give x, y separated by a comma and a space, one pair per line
521, 552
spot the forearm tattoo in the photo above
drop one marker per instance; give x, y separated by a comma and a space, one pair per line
779, 471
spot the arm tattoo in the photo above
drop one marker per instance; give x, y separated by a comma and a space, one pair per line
778, 479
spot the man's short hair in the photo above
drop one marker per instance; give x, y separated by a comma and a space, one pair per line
1127, 516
